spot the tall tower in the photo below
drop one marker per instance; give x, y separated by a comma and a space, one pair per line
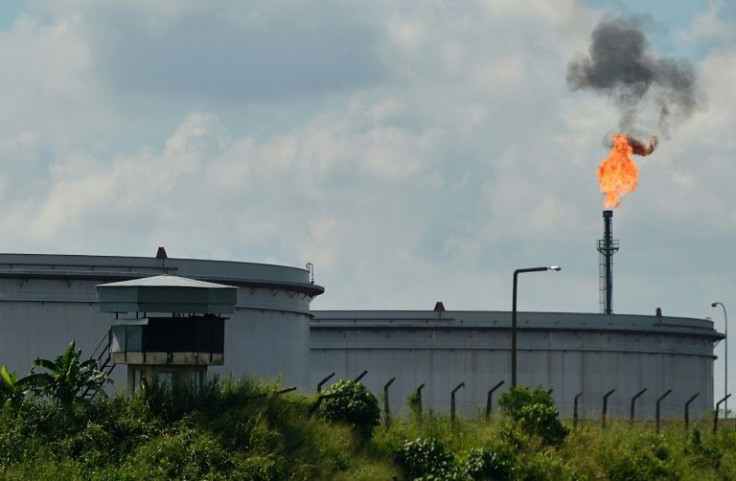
607, 247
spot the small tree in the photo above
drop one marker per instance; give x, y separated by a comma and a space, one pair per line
66, 377
353, 403
543, 421
535, 413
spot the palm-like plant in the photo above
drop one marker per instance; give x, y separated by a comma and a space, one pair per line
66, 377
12, 388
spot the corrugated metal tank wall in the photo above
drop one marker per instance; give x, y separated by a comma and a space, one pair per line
268, 336
38, 318
46, 301
569, 353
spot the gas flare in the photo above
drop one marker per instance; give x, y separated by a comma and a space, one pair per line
618, 173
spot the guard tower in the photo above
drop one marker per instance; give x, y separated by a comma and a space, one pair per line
167, 328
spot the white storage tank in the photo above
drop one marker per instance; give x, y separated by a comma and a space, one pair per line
569, 353
48, 300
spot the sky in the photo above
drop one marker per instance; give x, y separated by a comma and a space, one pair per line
413, 151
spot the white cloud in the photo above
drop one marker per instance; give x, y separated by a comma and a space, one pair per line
47, 92
708, 25
445, 153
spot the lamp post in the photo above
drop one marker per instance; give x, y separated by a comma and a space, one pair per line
725, 358
513, 315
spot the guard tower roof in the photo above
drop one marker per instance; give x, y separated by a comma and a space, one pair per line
167, 293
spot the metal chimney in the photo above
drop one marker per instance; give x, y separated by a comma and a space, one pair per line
607, 247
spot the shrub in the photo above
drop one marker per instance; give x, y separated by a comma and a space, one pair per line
425, 458
535, 413
703, 453
484, 464
646, 458
638, 466
542, 466
510, 435
543, 421
262, 468
516, 398
352, 403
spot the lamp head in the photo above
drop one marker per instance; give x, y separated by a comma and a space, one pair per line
554, 268
713, 304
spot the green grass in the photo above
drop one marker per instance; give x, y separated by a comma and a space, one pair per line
240, 431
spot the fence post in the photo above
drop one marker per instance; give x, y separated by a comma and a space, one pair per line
360, 376
658, 402
274, 393
323, 381
575, 411
605, 407
419, 402
687, 410
633, 403
317, 404
386, 410
715, 415
284, 391
489, 401
452, 400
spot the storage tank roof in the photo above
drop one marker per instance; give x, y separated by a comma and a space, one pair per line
118, 268
167, 293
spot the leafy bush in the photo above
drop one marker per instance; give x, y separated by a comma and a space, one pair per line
426, 459
510, 435
352, 403
703, 453
638, 466
543, 421
513, 401
543, 466
647, 457
534, 411
262, 468
484, 464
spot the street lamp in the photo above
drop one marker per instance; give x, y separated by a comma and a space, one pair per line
725, 374
513, 315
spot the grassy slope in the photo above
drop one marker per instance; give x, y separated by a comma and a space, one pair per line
241, 432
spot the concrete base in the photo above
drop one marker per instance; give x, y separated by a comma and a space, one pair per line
192, 376
168, 358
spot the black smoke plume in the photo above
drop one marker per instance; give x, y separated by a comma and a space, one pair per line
620, 65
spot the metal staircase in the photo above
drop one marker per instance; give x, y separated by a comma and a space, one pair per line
104, 364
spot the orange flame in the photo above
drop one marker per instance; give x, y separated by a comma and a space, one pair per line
618, 173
